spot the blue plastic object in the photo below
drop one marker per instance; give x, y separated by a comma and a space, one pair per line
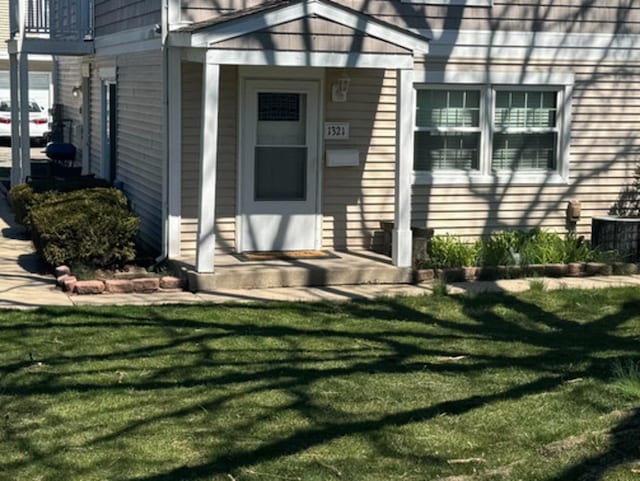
61, 151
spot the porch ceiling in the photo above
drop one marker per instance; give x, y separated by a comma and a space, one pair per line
296, 26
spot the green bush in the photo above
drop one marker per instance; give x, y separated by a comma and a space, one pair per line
536, 246
23, 196
91, 226
542, 247
450, 252
577, 250
496, 250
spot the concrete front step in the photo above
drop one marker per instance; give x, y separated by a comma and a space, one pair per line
297, 276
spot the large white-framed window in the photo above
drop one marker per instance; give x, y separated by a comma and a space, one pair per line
502, 128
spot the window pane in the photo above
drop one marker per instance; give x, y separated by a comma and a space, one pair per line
281, 118
525, 109
524, 151
448, 108
456, 99
280, 173
435, 151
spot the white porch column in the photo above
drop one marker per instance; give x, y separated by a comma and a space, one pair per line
25, 141
405, 105
16, 164
174, 118
208, 165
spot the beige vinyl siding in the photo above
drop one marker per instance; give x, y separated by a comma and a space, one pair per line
604, 149
69, 76
4, 25
225, 205
112, 16
311, 34
355, 199
140, 139
598, 16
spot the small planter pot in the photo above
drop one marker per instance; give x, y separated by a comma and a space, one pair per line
598, 269
624, 268
556, 270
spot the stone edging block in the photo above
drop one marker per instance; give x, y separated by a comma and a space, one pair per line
574, 269
142, 285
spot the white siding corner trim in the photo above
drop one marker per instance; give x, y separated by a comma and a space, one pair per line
174, 168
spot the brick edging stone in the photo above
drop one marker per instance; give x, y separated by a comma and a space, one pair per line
139, 285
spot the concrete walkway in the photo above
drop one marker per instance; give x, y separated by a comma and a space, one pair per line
24, 283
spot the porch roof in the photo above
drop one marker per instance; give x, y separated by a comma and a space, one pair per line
312, 22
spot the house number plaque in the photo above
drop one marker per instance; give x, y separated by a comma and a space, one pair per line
336, 131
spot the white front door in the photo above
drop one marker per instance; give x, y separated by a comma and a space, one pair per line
279, 176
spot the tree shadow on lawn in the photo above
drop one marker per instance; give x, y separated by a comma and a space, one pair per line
241, 351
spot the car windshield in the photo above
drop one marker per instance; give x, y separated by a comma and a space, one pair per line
5, 106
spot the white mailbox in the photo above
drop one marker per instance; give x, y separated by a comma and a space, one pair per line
343, 158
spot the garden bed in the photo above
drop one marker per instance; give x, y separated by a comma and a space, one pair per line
488, 273
516, 254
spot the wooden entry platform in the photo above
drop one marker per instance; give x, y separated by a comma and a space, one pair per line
341, 268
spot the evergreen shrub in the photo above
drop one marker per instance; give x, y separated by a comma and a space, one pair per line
91, 226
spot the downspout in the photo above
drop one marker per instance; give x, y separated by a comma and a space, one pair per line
165, 137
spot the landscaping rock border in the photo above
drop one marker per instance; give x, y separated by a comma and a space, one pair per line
137, 285
487, 273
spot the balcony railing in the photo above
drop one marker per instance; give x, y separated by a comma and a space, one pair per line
62, 20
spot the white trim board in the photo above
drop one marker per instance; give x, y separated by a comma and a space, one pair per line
494, 77
309, 59
33, 58
520, 45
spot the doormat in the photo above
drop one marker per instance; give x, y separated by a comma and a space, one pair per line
285, 255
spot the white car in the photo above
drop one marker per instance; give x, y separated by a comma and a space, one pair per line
38, 120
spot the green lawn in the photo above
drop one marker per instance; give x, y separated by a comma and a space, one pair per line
491, 387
